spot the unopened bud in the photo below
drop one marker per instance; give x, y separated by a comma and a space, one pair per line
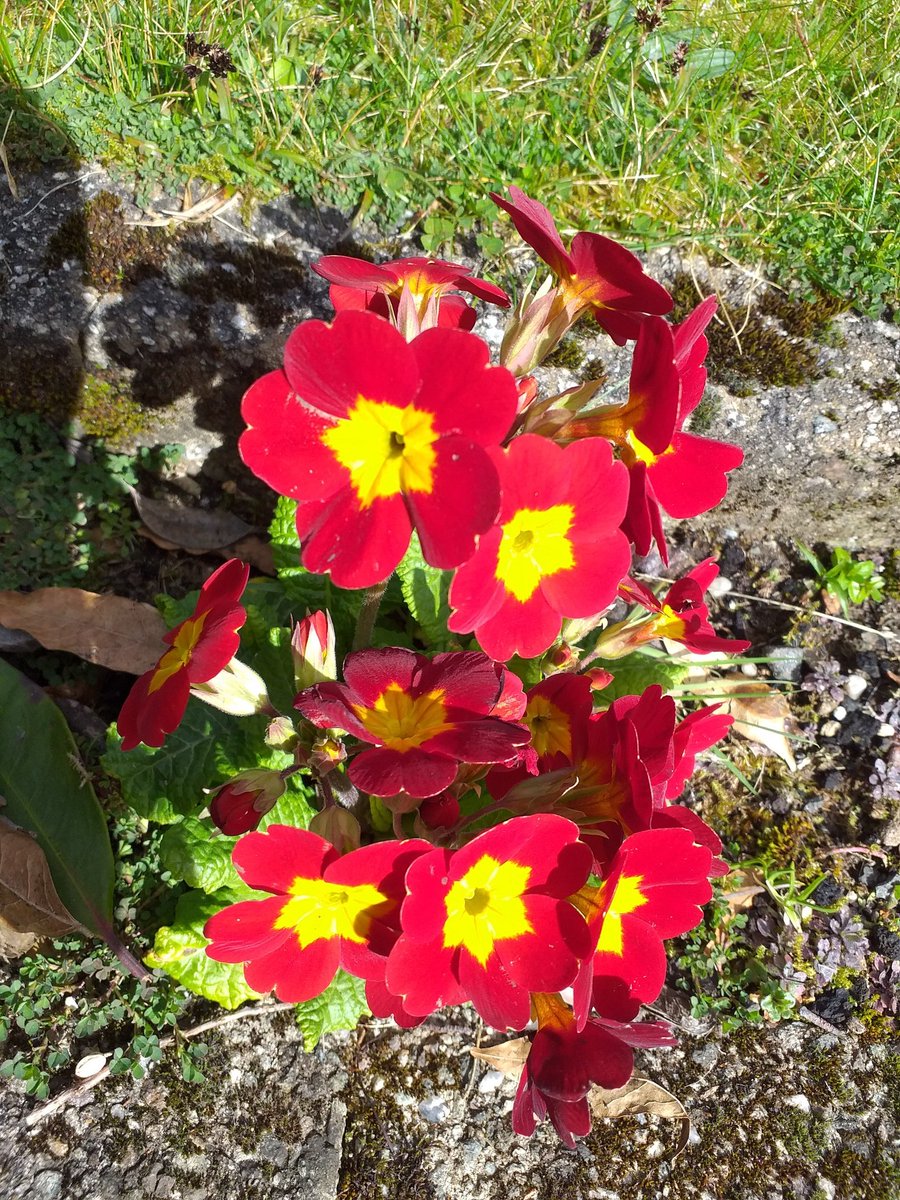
240, 805
237, 689
439, 812
326, 754
338, 826
281, 734
313, 652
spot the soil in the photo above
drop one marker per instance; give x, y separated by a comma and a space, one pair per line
176, 322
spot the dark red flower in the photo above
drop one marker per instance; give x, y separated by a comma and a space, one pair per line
595, 274
199, 648
376, 437
356, 284
565, 1062
240, 805
423, 717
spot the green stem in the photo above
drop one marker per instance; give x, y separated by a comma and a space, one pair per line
367, 615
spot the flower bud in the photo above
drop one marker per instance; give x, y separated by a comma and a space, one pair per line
237, 689
312, 649
281, 734
338, 826
439, 812
240, 805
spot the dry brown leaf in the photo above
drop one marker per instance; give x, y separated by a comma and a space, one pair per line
761, 714
748, 884
253, 550
112, 631
197, 530
508, 1057
641, 1096
29, 905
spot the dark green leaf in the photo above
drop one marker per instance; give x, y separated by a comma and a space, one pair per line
634, 673
45, 793
425, 590
340, 1006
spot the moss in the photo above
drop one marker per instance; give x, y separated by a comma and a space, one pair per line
567, 354
705, 413
266, 280
884, 389
106, 409
773, 347
859, 1176
111, 252
891, 574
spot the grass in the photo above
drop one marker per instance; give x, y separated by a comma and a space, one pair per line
774, 141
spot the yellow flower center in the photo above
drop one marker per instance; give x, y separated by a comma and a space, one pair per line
180, 653
387, 449
534, 545
626, 897
667, 624
403, 722
486, 906
641, 452
549, 725
319, 909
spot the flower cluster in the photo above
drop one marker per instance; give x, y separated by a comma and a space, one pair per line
523, 850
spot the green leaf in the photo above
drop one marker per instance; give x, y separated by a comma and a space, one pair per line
180, 951
710, 62
45, 793
425, 590
196, 852
340, 1006
209, 747
634, 673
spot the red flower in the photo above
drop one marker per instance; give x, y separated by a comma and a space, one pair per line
240, 805
556, 550
564, 1063
595, 273
375, 437
490, 923
325, 911
356, 284
681, 616
200, 647
688, 475
422, 716
653, 889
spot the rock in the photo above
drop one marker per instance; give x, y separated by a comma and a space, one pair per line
827, 893
434, 1109
798, 1101
839, 713
787, 662
833, 1006
855, 685
886, 942
720, 587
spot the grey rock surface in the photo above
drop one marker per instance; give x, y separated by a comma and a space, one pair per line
777, 1114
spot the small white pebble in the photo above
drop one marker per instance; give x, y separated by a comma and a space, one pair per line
798, 1101
886, 730
720, 586
830, 729
434, 1109
839, 713
866, 364
749, 669
855, 686
90, 1065
490, 1082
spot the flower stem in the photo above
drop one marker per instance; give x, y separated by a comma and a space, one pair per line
367, 615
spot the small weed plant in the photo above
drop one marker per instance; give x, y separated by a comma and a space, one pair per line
847, 580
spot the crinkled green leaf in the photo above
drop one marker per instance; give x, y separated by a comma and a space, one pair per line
634, 673
426, 590
209, 747
340, 1006
195, 851
180, 951
43, 791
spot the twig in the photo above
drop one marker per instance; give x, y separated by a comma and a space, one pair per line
887, 634
85, 1085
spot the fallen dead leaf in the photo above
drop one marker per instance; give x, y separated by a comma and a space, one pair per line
197, 530
509, 1057
29, 906
749, 884
111, 631
251, 549
641, 1096
761, 714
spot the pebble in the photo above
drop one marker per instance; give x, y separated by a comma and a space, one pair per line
839, 713
750, 669
830, 729
798, 1101
434, 1109
786, 662
490, 1082
719, 587
886, 731
855, 685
